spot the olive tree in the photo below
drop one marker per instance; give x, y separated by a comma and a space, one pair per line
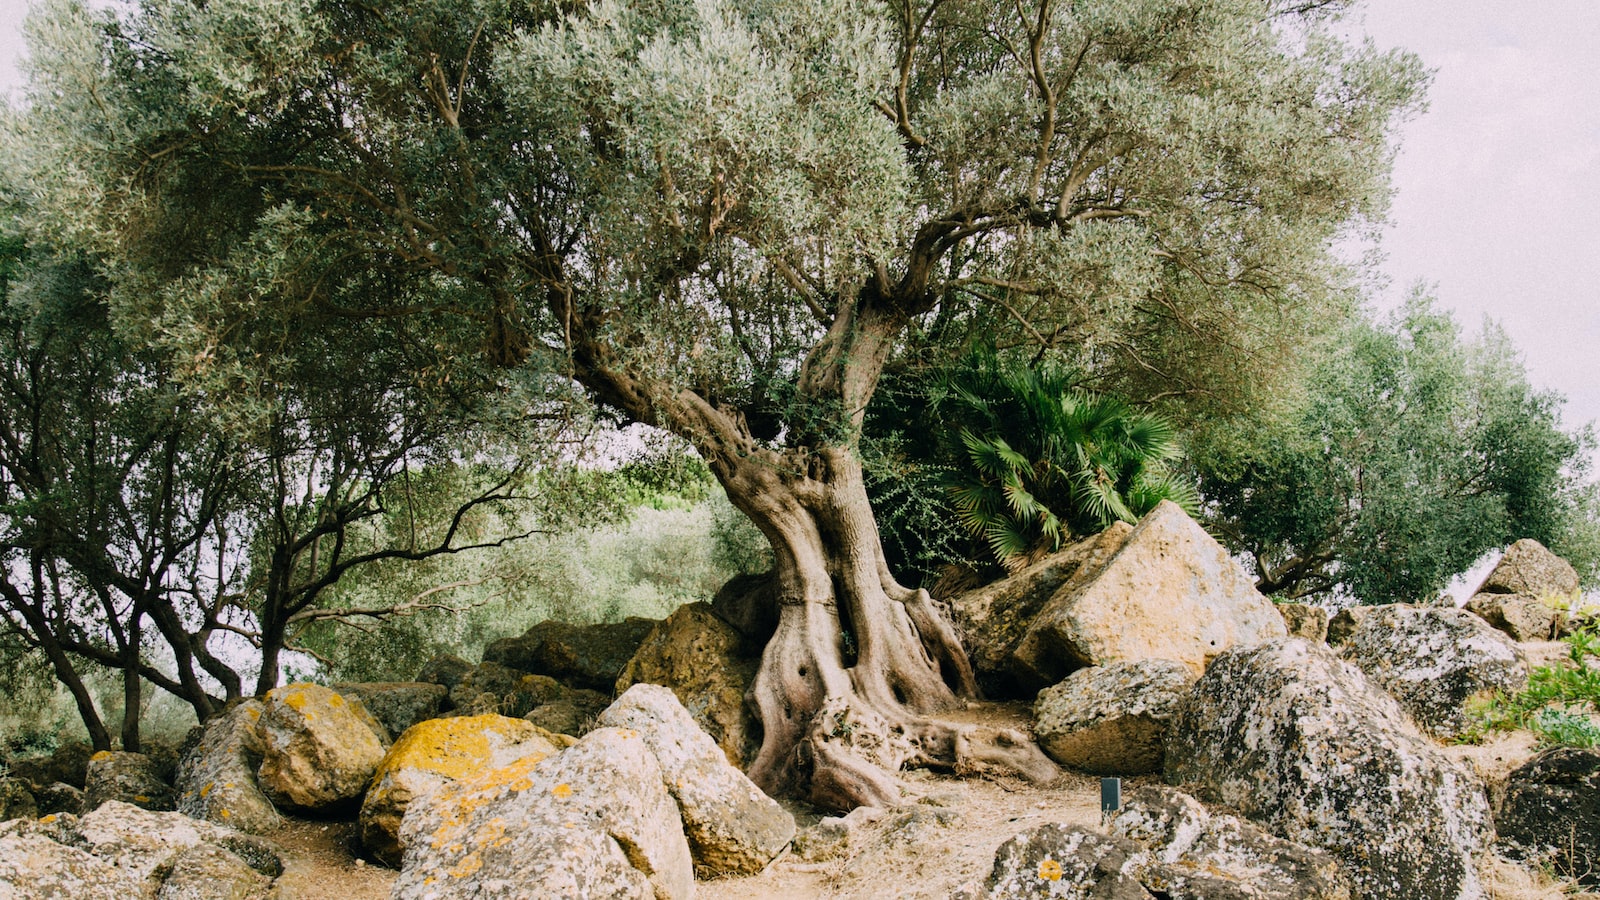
1414, 452
722, 218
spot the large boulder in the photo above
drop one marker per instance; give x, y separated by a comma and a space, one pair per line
701, 658
122, 851
590, 656
208, 872
593, 821
129, 777
993, 619
319, 749
1521, 617
1201, 853
1551, 812
59, 797
1111, 720
35, 867
1295, 738
397, 704
1170, 592
733, 828
1062, 861
68, 764
1528, 568
492, 687
446, 669
217, 772
1433, 660
436, 752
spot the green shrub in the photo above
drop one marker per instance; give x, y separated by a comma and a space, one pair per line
1558, 701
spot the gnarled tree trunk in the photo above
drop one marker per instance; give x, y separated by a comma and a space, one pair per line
852, 683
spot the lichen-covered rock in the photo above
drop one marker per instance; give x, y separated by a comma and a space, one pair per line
319, 749
129, 777
397, 704
217, 773
501, 690
1345, 622
1551, 812
732, 827
1304, 621
145, 845
446, 669
833, 837
67, 764
1528, 568
589, 656
34, 867
593, 821
1200, 852
1433, 660
1170, 592
1063, 861
701, 658
434, 753
208, 872
16, 801
993, 619
1521, 617
1111, 720
59, 797
1293, 737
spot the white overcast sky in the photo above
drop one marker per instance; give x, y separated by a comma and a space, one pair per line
1498, 184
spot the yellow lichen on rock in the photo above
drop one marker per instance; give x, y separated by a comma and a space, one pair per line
437, 756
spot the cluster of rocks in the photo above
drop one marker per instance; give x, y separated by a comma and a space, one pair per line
1176, 668
468, 806
117, 851
1146, 648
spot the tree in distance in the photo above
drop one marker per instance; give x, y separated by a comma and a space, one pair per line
723, 218
1413, 453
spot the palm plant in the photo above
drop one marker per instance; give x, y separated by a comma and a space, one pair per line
1045, 460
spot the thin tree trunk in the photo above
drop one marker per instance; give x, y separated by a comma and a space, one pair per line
131, 688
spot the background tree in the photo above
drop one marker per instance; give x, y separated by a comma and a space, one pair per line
140, 534
722, 218
1415, 452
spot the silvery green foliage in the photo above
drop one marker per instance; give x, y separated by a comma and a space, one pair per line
704, 188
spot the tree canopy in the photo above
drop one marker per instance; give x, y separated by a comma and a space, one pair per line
723, 218
1414, 453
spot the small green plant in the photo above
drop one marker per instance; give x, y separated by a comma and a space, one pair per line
1558, 701
1558, 727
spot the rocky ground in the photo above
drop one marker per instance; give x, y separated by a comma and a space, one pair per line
926, 850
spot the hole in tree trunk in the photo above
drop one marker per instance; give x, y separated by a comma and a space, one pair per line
899, 693
848, 649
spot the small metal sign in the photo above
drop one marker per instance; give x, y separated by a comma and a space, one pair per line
1110, 797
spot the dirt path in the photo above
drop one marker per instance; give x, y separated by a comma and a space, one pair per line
320, 863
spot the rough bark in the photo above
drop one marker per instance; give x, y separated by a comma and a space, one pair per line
852, 683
